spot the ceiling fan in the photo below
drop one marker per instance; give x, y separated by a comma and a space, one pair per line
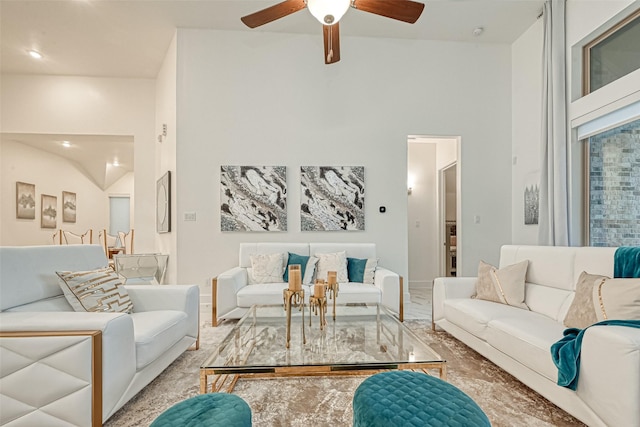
329, 12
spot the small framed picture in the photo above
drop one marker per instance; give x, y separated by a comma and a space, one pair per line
49, 211
25, 200
68, 206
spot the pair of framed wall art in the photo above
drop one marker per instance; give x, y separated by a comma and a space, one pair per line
254, 198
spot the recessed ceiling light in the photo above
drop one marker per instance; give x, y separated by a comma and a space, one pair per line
35, 54
66, 144
477, 31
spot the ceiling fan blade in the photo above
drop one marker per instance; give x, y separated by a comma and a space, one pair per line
402, 10
331, 43
272, 13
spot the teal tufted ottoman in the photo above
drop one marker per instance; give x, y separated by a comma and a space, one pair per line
211, 409
406, 398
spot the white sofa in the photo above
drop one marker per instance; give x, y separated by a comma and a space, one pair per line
519, 341
233, 296
60, 367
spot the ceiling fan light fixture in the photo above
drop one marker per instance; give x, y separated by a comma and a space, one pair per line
328, 12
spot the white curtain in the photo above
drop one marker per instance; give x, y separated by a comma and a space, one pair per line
553, 228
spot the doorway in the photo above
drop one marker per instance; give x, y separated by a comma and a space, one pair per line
448, 212
432, 198
119, 215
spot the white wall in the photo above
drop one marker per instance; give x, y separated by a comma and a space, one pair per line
422, 213
166, 153
91, 106
20, 162
583, 17
251, 98
526, 113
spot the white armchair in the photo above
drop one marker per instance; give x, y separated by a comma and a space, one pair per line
50, 355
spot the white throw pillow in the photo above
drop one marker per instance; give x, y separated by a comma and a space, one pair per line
336, 261
98, 291
310, 271
581, 313
505, 285
617, 299
268, 268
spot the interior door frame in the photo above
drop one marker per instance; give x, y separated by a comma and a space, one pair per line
441, 215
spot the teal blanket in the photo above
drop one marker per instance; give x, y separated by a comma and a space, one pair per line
566, 352
626, 262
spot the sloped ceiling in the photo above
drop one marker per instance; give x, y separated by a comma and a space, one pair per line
92, 155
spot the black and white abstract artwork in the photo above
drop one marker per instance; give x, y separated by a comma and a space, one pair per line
253, 198
531, 198
332, 198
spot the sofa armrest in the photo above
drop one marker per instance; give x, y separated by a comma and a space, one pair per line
390, 285
118, 345
224, 289
184, 298
610, 358
449, 288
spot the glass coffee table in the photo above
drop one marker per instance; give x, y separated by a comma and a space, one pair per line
363, 339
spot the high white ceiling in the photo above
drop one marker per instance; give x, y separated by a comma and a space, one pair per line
130, 38
120, 38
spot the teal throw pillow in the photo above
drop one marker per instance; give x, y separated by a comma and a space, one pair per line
361, 270
355, 269
296, 259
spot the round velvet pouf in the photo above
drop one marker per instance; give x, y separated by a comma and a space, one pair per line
211, 409
406, 398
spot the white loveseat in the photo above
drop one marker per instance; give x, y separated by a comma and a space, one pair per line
60, 367
519, 341
233, 296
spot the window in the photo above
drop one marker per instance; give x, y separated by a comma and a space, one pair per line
614, 54
614, 186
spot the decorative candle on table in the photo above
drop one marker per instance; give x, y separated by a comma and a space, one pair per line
318, 302
332, 288
295, 277
332, 277
319, 289
294, 296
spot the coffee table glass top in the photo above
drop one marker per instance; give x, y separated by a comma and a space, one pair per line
362, 337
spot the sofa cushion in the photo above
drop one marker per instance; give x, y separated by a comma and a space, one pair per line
267, 268
547, 300
334, 261
58, 303
28, 273
505, 285
155, 332
248, 249
264, 294
473, 315
349, 293
581, 312
361, 270
527, 337
98, 290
